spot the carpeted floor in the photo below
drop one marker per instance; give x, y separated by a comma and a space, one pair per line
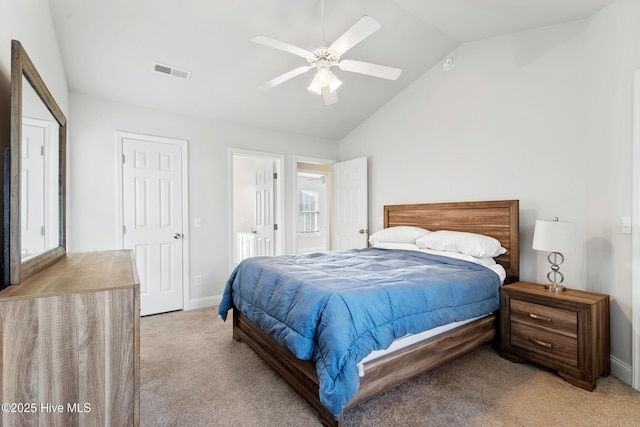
194, 374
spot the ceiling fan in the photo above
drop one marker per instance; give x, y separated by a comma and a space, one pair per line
322, 56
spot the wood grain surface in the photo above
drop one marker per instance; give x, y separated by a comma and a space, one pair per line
70, 343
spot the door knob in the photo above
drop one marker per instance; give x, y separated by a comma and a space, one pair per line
177, 236
363, 231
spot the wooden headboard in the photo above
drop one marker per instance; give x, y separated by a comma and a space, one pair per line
498, 219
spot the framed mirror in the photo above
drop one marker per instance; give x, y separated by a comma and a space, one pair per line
37, 172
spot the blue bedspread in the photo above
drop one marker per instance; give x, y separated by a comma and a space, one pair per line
336, 307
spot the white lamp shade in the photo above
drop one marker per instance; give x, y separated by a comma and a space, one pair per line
554, 236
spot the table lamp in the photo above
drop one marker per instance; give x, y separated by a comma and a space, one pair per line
555, 237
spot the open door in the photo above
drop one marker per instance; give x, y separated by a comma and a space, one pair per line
350, 204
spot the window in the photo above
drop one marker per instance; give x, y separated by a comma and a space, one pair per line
308, 211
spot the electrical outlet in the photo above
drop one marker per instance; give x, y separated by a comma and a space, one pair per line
626, 225
198, 279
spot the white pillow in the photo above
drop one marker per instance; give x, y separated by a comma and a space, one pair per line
399, 234
405, 246
476, 245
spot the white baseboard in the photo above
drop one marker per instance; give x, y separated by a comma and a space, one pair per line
194, 304
621, 370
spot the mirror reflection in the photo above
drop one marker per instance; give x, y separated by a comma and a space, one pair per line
35, 221
39, 224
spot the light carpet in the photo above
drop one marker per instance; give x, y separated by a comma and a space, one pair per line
194, 374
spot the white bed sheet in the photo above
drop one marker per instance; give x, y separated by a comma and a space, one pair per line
408, 340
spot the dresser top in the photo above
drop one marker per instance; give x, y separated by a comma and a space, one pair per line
78, 272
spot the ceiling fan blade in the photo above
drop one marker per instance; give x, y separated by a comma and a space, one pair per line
362, 29
370, 69
276, 44
284, 77
328, 96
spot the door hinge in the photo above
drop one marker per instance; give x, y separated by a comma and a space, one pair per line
42, 151
275, 175
42, 230
275, 227
123, 158
124, 229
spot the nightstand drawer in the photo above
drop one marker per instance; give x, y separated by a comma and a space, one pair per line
557, 319
544, 342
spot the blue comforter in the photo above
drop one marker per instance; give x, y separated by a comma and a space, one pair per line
336, 307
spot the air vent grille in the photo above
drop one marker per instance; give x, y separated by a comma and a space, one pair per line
171, 71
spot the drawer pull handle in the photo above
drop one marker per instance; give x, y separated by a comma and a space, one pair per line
540, 343
538, 317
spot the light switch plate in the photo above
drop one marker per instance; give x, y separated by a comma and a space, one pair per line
626, 225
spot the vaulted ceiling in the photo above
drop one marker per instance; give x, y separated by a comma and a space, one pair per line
108, 48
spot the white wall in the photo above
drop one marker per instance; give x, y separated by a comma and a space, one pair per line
92, 152
613, 57
29, 22
543, 116
503, 124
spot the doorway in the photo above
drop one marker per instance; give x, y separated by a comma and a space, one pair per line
256, 215
305, 167
153, 214
313, 207
347, 200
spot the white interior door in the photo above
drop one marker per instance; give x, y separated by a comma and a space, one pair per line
350, 204
32, 233
264, 213
153, 223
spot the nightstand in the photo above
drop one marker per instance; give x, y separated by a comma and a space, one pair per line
565, 331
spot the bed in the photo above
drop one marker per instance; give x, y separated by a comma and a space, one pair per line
496, 219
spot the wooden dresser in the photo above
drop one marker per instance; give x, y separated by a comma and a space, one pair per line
70, 344
566, 331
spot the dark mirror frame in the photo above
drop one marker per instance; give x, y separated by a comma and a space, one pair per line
21, 65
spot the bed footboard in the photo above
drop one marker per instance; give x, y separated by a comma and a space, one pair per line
380, 374
300, 374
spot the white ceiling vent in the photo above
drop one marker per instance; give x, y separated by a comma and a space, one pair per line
171, 71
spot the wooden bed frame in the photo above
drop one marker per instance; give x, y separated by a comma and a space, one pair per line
498, 219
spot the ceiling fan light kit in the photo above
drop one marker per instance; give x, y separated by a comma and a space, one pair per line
323, 57
324, 78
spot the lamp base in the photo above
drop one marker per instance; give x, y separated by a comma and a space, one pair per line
553, 287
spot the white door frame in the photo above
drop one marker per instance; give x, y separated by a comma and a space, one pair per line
184, 145
279, 202
635, 245
294, 178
